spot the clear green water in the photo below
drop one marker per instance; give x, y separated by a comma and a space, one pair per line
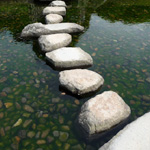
116, 35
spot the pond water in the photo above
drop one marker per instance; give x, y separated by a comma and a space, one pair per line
117, 36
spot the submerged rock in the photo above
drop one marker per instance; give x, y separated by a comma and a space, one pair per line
56, 133
38, 29
58, 3
7, 105
135, 136
69, 57
54, 41
26, 123
148, 79
19, 121
28, 108
45, 133
53, 18
103, 112
22, 134
80, 81
40, 142
31, 134
63, 136
54, 10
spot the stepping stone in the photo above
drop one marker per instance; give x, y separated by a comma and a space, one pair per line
135, 136
58, 4
69, 57
54, 10
53, 18
38, 29
80, 81
103, 112
54, 41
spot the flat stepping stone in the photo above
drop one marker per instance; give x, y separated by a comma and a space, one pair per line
135, 136
54, 10
51, 42
69, 57
58, 4
80, 81
103, 112
38, 29
53, 18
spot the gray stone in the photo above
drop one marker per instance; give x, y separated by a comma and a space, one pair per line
148, 79
28, 108
27, 95
18, 106
55, 100
14, 146
80, 81
56, 133
7, 90
58, 4
40, 142
18, 122
103, 112
50, 139
63, 136
53, 18
3, 79
146, 98
38, 29
22, 134
54, 10
135, 136
23, 100
69, 57
37, 135
52, 42
31, 134
26, 123
45, 133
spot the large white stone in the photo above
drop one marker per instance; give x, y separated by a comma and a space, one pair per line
80, 81
51, 42
53, 18
135, 136
69, 57
38, 29
58, 4
103, 112
54, 10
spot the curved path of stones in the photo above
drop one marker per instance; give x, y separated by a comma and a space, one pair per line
98, 114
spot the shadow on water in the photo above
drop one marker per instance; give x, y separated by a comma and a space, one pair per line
80, 97
99, 139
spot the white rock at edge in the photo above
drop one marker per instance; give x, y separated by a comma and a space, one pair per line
54, 41
80, 81
58, 4
103, 112
135, 136
69, 57
53, 18
38, 29
54, 10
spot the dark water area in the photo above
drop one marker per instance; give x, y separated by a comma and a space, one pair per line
117, 36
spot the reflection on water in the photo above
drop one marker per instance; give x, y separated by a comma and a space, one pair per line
117, 37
